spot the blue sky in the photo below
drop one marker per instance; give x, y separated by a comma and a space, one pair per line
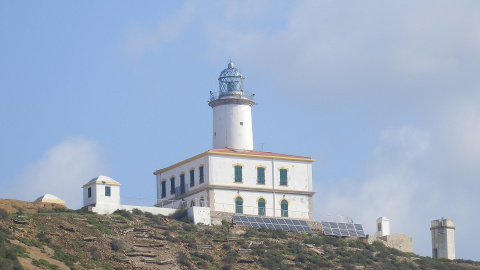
383, 95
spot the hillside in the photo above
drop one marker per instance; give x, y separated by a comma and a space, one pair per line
34, 236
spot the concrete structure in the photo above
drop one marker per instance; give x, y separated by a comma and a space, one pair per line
383, 227
233, 177
443, 238
102, 195
398, 241
199, 215
49, 198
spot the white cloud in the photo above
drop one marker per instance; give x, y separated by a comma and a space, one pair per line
61, 171
391, 182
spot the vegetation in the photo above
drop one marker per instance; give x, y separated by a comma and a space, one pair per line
63, 238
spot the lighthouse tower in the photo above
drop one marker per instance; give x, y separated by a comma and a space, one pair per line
232, 112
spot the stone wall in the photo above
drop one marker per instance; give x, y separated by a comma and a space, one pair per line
398, 241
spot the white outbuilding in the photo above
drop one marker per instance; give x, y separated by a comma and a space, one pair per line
101, 190
49, 198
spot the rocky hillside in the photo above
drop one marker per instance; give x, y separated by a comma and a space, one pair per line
40, 236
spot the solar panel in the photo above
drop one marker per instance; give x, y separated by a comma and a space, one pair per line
273, 223
342, 229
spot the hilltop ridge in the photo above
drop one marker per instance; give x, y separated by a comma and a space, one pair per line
36, 236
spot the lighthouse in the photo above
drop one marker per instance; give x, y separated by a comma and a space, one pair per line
232, 177
232, 112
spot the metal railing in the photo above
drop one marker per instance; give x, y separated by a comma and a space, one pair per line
136, 201
270, 212
182, 203
231, 94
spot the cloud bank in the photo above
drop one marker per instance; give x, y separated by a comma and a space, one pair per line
61, 171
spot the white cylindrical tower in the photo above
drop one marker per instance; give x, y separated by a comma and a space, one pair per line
232, 112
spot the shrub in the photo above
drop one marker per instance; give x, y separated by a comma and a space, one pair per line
225, 223
279, 234
42, 237
137, 211
117, 245
180, 215
124, 213
204, 256
189, 227
4, 215
44, 263
95, 253
183, 259
202, 264
226, 247
231, 256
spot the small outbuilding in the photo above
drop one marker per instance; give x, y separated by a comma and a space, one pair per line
49, 198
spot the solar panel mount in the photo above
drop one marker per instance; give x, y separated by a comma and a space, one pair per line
285, 224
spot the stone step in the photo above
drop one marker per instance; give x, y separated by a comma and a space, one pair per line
90, 239
140, 254
204, 246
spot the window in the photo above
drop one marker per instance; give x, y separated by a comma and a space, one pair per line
239, 205
107, 191
172, 185
283, 177
284, 207
192, 177
261, 207
241, 123
164, 188
238, 173
200, 171
89, 192
182, 183
260, 175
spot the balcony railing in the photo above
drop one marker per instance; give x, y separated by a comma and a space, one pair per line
231, 94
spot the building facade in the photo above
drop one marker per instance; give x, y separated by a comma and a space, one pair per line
443, 238
233, 177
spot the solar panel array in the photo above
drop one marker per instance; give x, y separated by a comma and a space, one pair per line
343, 229
285, 224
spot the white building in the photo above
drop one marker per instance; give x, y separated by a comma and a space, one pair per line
383, 227
102, 195
443, 238
233, 177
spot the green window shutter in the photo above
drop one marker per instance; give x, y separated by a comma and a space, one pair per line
283, 177
201, 174
284, 207
192, 178
164, 189
238, 173
107, 191
172, 185
261, 207
239, 205
261, 175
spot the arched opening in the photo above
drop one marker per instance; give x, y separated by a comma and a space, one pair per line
284, 208
261, 207
239, 205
